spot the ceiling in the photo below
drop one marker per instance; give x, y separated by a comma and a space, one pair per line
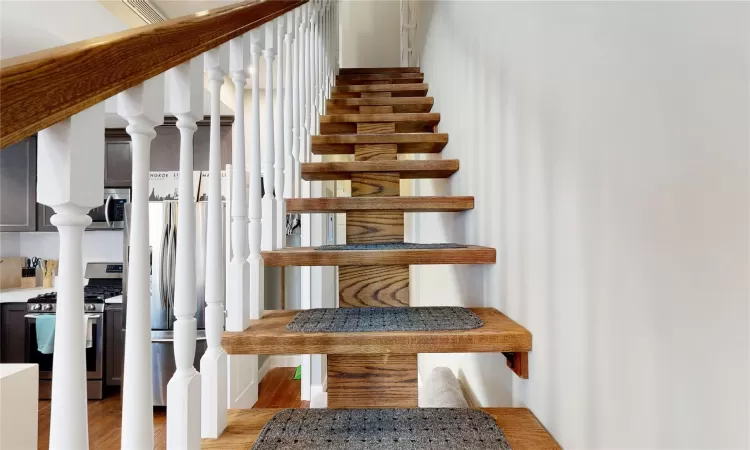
177, 8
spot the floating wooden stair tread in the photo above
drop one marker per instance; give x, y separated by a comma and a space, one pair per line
521, 428
269, 336
429, 118
407, 169
343, 144
380, 70
310, 256
397, 90
399, 104
372, 78
406, 204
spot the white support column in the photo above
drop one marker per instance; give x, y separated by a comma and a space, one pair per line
185, 87
214, 360
279, 147
143, 107
242, 391
238, 298
255, 259
268, 234
70, 179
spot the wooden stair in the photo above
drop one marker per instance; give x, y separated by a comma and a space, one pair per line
364, 105
310, 256
383, 122
405, 204
406, 169
269, 336
380, 90
345, 144
375, 115
521, 428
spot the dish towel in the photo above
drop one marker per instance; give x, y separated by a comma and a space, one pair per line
45, 333
89, 329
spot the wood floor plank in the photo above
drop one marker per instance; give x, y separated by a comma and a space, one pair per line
269, 335
405, 142
399, 104
521, 427
309, 256
372, 381
373, 286
405, 204
407, 169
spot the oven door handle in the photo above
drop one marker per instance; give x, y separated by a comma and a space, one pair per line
106, 210
34, 316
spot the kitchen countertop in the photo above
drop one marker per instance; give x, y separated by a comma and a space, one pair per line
21, 295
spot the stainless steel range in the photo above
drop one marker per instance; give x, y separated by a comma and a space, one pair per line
104, 281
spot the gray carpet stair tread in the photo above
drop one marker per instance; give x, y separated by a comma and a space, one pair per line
380, 429
390, 246
340, 320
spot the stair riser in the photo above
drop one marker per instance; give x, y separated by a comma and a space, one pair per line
399, 127
350, 82
372, 381
377, 70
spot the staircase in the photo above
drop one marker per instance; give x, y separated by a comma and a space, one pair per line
375, 115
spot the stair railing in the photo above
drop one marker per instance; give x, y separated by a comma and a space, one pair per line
59, 93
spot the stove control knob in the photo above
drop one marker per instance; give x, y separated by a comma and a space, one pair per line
36, 307
47, 307
88, 307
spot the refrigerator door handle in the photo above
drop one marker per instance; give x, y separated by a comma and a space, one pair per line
163, 265
106, 210
172, 263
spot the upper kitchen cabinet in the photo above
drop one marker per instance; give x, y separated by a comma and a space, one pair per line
118, 162
165, 148
18, 186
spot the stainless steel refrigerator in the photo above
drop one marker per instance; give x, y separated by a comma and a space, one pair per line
162, 237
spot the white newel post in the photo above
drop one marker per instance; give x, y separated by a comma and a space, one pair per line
214, 360
185, 87
242, 370
70, 179
278, 165
297, 99
143, 107
268, 234
255, 259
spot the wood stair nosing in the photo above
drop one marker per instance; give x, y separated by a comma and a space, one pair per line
405, 204
407, 169
430, 118
373, 78
310, 256
377, 70
399, 104
343, 144
269, 336
522, 429
380, 88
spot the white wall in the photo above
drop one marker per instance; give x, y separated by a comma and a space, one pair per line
370, 33
29, 26
607, 147
10, 244
98, 246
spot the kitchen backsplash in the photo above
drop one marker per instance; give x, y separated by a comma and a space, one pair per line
98, 246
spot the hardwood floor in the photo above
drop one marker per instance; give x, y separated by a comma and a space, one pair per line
278, 389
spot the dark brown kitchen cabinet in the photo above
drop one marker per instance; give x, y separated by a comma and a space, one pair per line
18, 186
165, 148
118, 163
12, 331
114, 345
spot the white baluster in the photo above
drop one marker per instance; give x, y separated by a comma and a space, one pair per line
70, 179
143, 107
185, 87
297, 100
288, 118
268, 235
255, 259
278, 165
214, 360
314, 69
238, 274
304, 60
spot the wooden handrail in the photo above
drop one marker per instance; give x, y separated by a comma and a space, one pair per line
40, 89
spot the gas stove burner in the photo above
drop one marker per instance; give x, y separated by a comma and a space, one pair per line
44, 298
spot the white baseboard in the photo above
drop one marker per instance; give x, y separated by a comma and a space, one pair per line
318, 395
279, 361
